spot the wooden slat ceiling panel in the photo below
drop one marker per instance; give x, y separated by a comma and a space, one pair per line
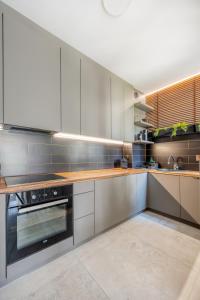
197, 98
153, 116
178, 103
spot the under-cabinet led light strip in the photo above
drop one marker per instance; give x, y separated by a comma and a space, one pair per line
86, 138
171, 84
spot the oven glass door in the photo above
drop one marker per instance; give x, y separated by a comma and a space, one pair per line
33, 228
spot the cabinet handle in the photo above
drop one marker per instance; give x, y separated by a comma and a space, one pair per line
40, 206
196, 178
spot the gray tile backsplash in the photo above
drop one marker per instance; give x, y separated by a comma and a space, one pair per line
136, 154
24, 152
185, 150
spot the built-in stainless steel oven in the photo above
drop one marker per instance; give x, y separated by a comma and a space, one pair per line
38, 219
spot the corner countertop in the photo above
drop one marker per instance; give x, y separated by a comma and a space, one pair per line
176, 173
72, 177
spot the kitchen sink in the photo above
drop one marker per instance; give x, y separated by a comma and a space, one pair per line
172, 170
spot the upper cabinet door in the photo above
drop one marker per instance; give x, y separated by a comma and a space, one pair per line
117, 103
31, 75
70, 90
1, 73
95, 100
128, 113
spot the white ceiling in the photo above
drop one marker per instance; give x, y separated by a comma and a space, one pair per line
153, 44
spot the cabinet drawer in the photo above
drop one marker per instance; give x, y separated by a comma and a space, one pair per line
83, 229
83, 187
83, 205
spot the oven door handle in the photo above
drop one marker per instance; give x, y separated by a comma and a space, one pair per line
41, 206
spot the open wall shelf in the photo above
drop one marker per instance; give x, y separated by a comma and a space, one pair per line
144, 107
141, 142
144, 124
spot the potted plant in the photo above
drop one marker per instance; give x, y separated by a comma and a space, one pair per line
177, 129
162, 132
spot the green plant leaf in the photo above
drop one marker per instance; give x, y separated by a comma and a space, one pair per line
174, 131
184, 126
156, 132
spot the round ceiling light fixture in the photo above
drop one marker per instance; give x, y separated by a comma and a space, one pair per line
116, 8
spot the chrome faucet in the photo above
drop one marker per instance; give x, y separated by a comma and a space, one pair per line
175, 164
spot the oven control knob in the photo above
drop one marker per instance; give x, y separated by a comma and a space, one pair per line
33, 197
55, 193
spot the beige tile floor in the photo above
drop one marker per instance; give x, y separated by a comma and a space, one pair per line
148, 257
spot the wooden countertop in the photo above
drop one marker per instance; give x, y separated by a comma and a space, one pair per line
72, 177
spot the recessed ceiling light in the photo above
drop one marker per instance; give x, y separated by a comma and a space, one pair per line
116, 8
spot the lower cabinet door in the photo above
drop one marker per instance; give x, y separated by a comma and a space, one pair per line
83, 229
136, 194
110, 207
2, 238
190, 200
141, 192
163, 194
130, 194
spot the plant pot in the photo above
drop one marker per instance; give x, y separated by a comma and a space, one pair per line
168, 132
197, 128
162, 133
190, 130
165, 133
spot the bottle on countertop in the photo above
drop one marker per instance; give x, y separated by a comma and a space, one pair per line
124, 163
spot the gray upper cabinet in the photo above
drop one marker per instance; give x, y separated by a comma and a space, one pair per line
70, 90
163, 193
190, 200
95, 100
31, 75
117, 103
1, 73
128, 113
